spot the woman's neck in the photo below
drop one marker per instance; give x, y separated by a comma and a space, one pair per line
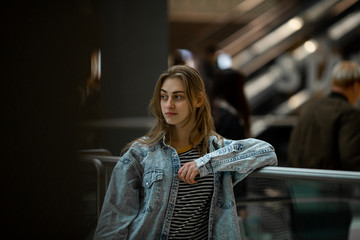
180, 136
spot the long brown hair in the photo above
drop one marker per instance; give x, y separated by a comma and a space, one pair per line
194, 86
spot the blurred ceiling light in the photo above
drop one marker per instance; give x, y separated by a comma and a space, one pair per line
305, 50
224, 61
295, 23
186, 56
278, 35
310, 46
344, 26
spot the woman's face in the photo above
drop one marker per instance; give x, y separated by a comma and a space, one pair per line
174, 106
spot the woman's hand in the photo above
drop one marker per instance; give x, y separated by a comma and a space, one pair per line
188, 172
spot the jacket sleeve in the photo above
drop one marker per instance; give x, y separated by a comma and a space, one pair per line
121, 203
242, 156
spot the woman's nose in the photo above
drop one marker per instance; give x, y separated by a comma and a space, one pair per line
170, 103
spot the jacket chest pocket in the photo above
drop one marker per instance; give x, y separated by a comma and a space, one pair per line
152, 183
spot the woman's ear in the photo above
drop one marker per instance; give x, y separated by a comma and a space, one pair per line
199, 100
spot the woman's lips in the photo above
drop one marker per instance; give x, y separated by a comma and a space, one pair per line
170, 114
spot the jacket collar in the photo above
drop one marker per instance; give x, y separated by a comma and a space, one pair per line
338, 95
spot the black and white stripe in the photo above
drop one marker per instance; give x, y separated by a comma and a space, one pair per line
191, 213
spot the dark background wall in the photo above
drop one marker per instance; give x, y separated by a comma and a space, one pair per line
134, 50
46, 48
134, 53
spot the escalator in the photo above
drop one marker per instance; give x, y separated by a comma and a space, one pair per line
286, 49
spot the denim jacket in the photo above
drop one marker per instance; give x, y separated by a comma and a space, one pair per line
142, 192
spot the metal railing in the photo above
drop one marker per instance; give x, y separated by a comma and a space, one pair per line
105, 164
307, 174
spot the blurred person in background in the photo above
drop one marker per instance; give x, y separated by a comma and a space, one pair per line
230, 107
208, 65
327, 135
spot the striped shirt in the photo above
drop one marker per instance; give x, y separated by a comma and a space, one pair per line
191, 213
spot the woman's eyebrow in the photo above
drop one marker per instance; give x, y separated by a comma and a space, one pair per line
172, 92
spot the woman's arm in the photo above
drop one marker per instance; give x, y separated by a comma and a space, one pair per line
121, 204
241, 156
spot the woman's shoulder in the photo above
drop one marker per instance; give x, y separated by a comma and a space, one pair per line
141, 146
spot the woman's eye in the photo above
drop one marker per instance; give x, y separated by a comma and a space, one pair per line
178, 96
163, 97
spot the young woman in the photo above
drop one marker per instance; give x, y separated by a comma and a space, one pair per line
177, 181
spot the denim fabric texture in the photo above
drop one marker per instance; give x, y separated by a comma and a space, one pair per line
142, 192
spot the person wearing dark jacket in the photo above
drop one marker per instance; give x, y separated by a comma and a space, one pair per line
327, 135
